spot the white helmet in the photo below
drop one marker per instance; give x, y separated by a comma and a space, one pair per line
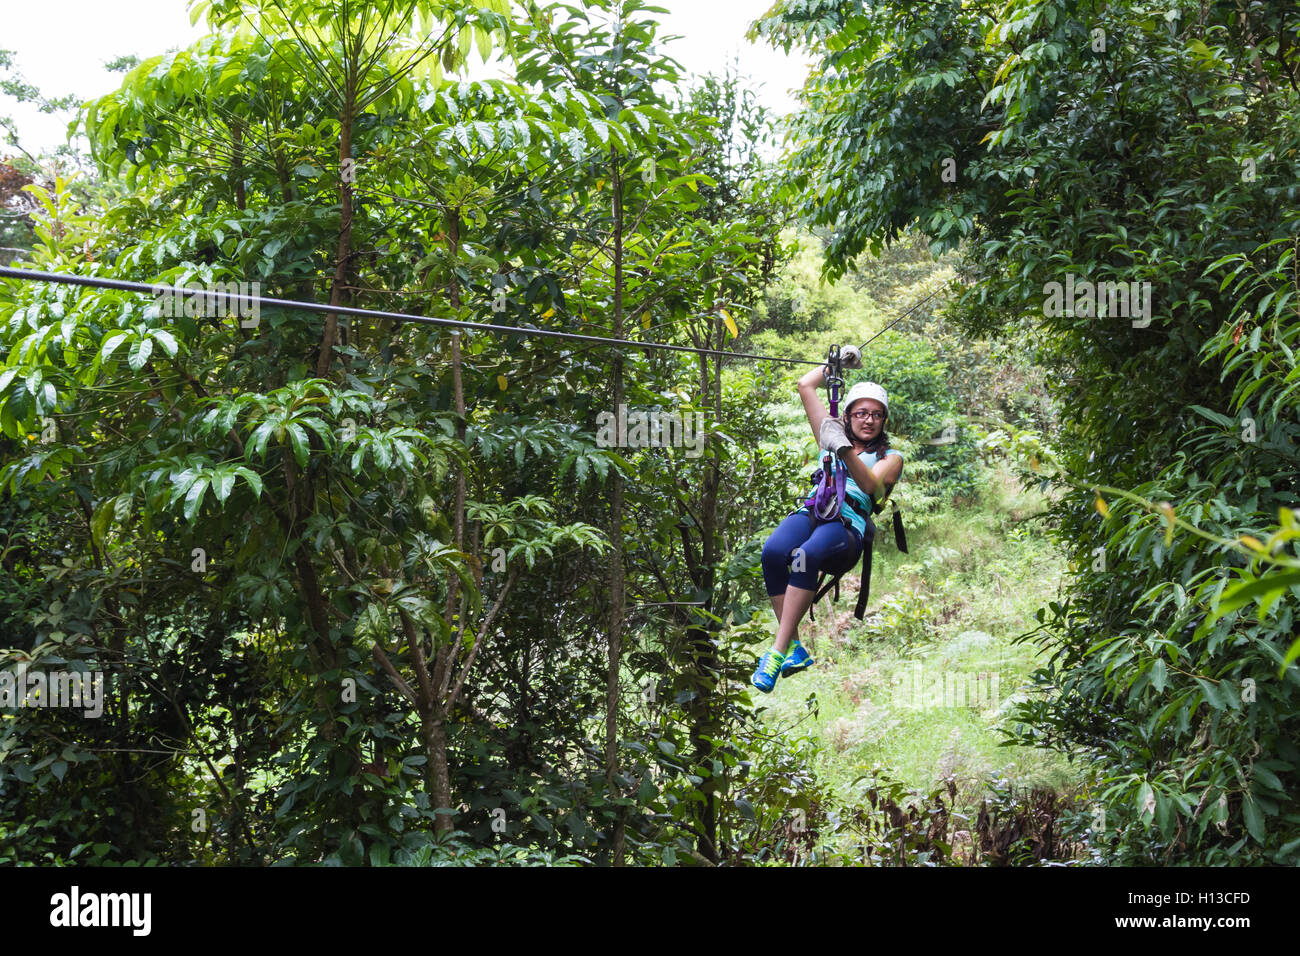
866, 390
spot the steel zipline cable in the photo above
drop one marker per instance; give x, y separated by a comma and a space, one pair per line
155, 290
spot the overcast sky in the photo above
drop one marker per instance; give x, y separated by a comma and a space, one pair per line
61, 46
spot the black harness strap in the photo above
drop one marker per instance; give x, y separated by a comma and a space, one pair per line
900, 538
833, 582
864, 592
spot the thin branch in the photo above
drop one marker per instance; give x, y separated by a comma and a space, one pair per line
393, 675
478, 640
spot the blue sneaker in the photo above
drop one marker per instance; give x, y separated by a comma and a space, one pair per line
767, 671
798, 659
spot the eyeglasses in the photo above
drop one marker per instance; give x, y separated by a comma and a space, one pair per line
873, 416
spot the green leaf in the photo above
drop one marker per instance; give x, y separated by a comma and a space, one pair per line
298, 440
1164, 809
1270, 779
103, 516
1241, 594
111, 342
1211, 693
222, 483
166, 340
1254, 817
253, 478
1291, 655
194, 497
139, 354
1146, 803
261, 435
1158, 675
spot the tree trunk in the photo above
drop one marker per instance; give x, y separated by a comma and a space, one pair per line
617, 598
439, 778
237, 163
442, 672
703, 652
343, 256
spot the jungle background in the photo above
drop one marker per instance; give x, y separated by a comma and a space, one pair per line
370, 592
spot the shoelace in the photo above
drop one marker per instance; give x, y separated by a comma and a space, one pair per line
771, 665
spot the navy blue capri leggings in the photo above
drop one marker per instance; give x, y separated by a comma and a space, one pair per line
831, 546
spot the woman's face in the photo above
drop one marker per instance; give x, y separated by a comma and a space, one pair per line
864, 429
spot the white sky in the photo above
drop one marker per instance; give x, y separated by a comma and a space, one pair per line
61, 49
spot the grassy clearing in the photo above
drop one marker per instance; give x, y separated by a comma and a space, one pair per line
922, 684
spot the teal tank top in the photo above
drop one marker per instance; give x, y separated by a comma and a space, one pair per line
852, 489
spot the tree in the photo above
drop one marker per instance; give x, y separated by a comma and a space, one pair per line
321, 563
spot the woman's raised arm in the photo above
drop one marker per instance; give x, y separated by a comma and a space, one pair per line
812, 403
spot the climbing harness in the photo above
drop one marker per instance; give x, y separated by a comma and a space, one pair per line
826, 501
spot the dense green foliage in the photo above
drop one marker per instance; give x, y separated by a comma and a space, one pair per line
1054, 141
333, 610
371, 591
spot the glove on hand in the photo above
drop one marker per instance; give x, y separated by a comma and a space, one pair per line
833, 437
850, 357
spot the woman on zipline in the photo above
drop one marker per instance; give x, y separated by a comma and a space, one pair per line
803, 544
